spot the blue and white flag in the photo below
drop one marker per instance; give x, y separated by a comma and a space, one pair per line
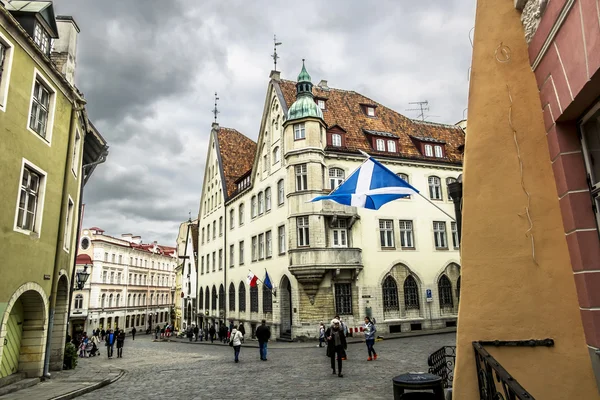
370, 186
267, 281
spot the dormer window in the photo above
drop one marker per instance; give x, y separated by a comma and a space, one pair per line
321, 103
428, 150
439, 153
370, 111
336, 140
391, 145
41, 38
380, 144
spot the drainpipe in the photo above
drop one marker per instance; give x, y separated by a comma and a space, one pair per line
455, 190
59, 241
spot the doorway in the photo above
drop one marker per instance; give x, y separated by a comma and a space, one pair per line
286, 308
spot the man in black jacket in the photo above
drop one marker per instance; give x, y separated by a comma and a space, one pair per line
263, 334
336, 345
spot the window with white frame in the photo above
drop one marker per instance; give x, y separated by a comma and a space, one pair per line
208, 233
299, 132
336, 140
391, 146
429, 150
435, 188
214, 229
339, 233
231, 255
261, 203
268, 199
439, 235
439, 153
79, 301
268, 244
303, 232
241, 251
214, 261
380, 144
321, 104
261, 246
207, 263
406, 234
31, 195
202, 265
281, 239
41, 38
386, 233
280, 192
6, 51
336, 177
301, 177
265, 163
231, 219
69, 225
276, 155
220, 226
254, 251
220, 259
253, 208
455, 241
39, 119
371, 111
404, 177
76, 147
241, 215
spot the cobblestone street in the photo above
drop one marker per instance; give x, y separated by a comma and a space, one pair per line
157, 370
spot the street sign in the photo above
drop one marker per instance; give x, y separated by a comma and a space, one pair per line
429, 295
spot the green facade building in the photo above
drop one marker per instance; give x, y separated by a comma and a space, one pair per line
48, 149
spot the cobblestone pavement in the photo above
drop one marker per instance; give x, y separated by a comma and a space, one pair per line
158, 370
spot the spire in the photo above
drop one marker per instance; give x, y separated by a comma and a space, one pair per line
305, 105
304, 84
304, 76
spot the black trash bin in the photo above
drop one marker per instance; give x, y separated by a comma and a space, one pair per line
418, 383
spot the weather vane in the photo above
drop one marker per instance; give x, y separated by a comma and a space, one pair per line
274, 55
216, 110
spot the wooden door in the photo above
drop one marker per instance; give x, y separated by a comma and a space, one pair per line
12, 342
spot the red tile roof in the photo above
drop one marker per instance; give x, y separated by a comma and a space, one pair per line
237, 155
83, 259
345, 109
195, 236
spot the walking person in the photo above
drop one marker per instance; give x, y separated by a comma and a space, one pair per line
189, 333
369, 331
336, 344
133, 331
263, 334
212, 332
110, 343
196, 331
156, 332
344, 329
236, 343
120, 342
321, 334
103, 333
242, 330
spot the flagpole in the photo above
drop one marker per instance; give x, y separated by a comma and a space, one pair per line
436, 206
261, 281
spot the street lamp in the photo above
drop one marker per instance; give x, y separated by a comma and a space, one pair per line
82, 277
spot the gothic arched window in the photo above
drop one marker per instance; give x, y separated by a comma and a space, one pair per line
390, 294
231, 297
411, 293
267, 300
242, 297
445, 291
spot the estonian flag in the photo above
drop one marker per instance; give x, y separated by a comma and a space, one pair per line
267, 281
370, 186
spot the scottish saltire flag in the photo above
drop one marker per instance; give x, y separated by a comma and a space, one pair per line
370, 186
267, 281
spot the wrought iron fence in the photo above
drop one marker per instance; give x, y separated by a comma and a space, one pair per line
495, 383
441, 363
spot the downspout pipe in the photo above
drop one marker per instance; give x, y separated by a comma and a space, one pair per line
455, 190
59, 242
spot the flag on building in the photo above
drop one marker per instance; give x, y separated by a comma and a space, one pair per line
370, 186
252, 279
267, 281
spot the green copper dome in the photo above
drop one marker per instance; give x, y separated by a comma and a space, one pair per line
305, 105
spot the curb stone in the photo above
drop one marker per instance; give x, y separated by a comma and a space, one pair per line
91, 388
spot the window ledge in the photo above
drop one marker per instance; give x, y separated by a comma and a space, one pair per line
409, 248
282, 253
441, 248
268, 257
387, 248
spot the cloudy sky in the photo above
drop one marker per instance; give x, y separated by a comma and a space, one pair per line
149, 70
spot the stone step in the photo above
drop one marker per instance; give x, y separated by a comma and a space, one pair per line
18, 385
9, 380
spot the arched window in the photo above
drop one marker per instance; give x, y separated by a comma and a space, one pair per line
241, 214
214, 298
152, 299
221, 298
253, 207
280, 192
435, 188
201, 299
110, 300
129, 300
267, 300
390, 294
231, 297
254, 299
405, 178
118, 300
242, 297
207, 298
458, 289
276, 155
336, 177
411, 293
445, 291
143, 300
268, 199
261, 203
79, 301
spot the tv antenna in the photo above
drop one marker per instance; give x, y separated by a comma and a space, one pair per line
274, 55
423, 106
216, 111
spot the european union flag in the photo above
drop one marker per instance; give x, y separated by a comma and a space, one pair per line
267, 281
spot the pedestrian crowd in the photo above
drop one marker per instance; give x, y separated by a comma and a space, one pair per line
89, 346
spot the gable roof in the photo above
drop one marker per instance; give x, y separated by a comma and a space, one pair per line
44, 8
345, 109
194, 229
237, 156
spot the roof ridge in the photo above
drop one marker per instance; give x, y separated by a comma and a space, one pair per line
236, 131
434, 123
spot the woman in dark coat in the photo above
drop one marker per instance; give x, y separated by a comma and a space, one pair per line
336, 345
120, 342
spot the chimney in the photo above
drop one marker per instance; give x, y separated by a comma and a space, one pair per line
215, 126
323, 85
64, 49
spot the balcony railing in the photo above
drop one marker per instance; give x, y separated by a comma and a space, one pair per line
494, 381
329, 257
